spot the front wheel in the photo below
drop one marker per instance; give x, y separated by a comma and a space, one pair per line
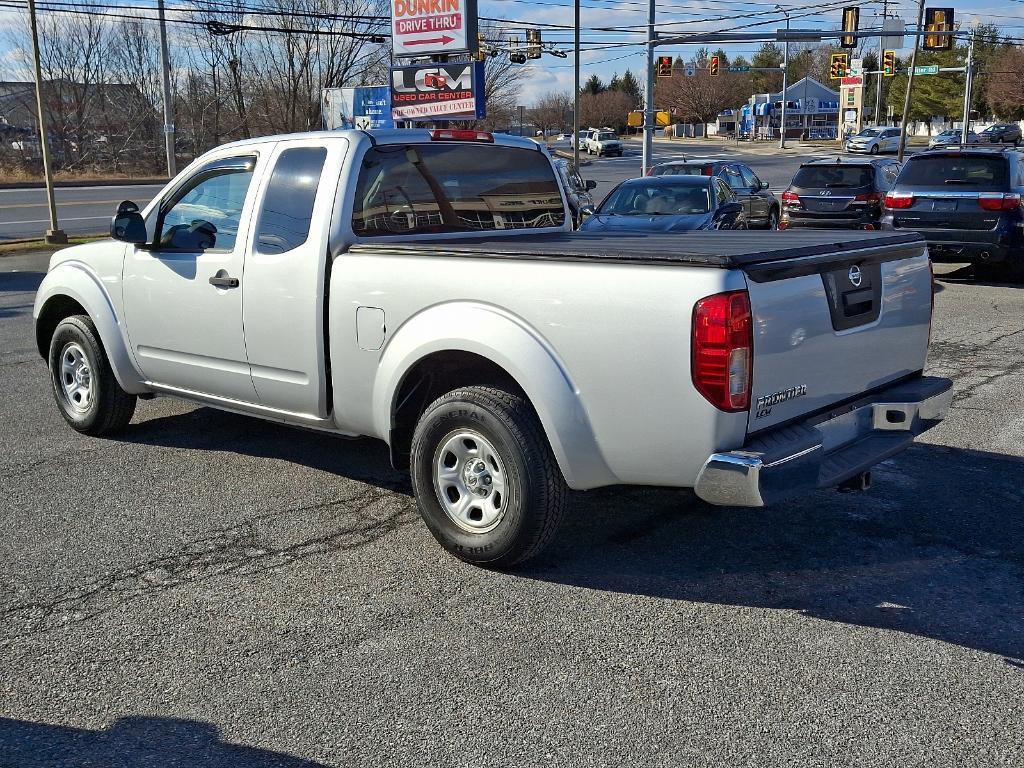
84, 386
485, 479
874, 149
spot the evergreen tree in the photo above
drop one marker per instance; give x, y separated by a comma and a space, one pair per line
593, 86
630, 86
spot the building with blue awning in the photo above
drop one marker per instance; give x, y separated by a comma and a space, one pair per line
812, 111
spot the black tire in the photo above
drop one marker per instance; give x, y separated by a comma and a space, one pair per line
874, 149
107, 408
773, 219
536, 495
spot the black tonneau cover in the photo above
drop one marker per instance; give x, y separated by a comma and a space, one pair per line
756, 252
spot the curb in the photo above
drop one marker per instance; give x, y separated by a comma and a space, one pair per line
74, 184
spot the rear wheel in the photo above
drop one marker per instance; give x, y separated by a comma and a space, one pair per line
84, 386
773, 219
485, 479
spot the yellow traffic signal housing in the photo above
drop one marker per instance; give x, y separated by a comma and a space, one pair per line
851, 19
839, 66
888, 63
713, 66
664, 66
938, 20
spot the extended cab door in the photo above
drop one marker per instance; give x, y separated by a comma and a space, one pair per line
286, 272
182, 293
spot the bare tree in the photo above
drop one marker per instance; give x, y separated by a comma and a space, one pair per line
699, 99
551, 111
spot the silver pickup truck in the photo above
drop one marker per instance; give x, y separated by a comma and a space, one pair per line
421, 287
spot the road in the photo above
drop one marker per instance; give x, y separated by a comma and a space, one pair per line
80, 210
212, 590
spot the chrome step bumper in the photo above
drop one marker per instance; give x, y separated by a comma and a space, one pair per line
827, 449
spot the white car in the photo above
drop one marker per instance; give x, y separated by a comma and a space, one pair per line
873, 141
602, 142
421, 288
953, 136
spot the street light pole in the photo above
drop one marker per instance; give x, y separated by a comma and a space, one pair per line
785, 83
648, 149
910, 83
576, 97
165, 66
968, 87
54, 234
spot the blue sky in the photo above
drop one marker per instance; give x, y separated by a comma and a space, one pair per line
606, 51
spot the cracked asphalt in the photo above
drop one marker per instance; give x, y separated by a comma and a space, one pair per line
210, 590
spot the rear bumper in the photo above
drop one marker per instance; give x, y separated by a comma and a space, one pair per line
842, 220
825, 450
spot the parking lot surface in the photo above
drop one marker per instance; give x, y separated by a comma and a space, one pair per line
212, 590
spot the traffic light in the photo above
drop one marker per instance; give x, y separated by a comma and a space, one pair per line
839, 66
664, 66
938, 20
533, 47
888, 63
851, 18
514, 54
713, 66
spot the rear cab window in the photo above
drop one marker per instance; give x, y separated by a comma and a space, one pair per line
967, 172
454, 187
834, 176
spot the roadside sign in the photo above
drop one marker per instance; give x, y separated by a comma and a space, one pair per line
433, 27
892, 34
927, 69
428, 91
737, 69
856, 67
362, 107
853, 81
810, 106
690, 70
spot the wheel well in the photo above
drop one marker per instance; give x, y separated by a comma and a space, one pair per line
431, 377
55, 310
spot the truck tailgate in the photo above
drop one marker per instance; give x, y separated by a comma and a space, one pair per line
828, 329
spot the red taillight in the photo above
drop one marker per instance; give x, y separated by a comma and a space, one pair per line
869, 227
723, 350
707, 171
790, 197
994, 201
868, 197
452, 134
898, 201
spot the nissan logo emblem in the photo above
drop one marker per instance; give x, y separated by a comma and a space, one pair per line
855, 276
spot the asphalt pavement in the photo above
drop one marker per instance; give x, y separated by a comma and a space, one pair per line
24, 213
212, 590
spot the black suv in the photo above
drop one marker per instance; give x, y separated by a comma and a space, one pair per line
842, 193
1002, 133
759, 205
966, 202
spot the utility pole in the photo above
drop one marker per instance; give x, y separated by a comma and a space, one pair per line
881, 52
576, 97
54, 235
910, 82
968, 87
165, 66
785, 83
648, 150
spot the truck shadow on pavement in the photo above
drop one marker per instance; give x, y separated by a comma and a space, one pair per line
155, 742
935, 549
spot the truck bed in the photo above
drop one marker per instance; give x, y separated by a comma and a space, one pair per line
747, 250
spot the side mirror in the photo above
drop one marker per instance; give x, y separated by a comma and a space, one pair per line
128, 226
765, 185
590, 184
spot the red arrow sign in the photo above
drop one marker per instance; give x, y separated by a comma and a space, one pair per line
443, 40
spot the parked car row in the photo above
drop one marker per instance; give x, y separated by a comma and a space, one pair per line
964, 198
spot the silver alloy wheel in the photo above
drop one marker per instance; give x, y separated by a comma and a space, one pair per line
470, 482
773, 220
76, 379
